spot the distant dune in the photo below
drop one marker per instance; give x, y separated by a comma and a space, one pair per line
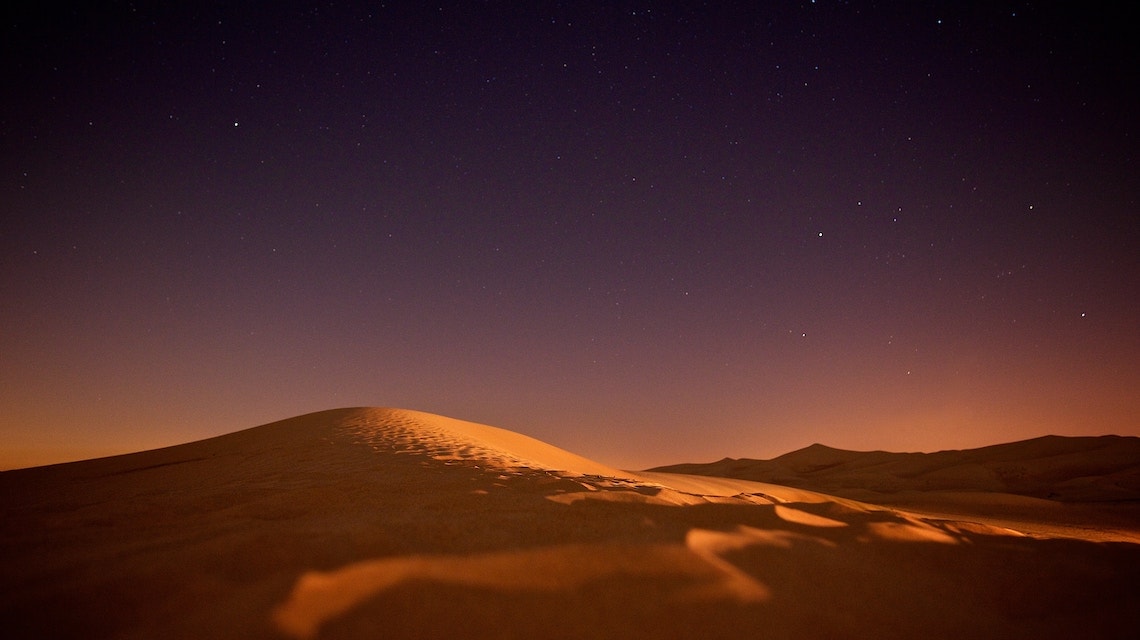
1086, 469
1049, 481
364, 523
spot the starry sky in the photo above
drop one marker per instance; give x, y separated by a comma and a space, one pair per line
647, 232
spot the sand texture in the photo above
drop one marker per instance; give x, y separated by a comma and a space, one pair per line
386, 523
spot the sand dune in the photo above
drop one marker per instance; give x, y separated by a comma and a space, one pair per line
359, 523
1087, 469
1088, 486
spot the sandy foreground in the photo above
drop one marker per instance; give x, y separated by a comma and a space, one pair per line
385, 523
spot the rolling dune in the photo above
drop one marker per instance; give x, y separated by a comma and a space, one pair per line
1086, 487
358, 523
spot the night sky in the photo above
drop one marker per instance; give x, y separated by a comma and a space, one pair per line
645, 232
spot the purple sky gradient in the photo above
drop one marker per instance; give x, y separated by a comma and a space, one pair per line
646, 232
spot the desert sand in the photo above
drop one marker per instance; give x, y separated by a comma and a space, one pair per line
1080, 487
367, 523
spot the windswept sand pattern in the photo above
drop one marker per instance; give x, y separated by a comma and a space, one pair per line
408, 432
448, 439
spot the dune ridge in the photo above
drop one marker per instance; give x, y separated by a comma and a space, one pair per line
1051, 485
363, 522
1067, 469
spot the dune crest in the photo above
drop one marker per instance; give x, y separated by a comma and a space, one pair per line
444, 438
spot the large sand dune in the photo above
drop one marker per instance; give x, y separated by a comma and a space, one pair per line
365, 523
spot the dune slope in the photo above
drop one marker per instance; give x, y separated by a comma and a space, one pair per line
358, 523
